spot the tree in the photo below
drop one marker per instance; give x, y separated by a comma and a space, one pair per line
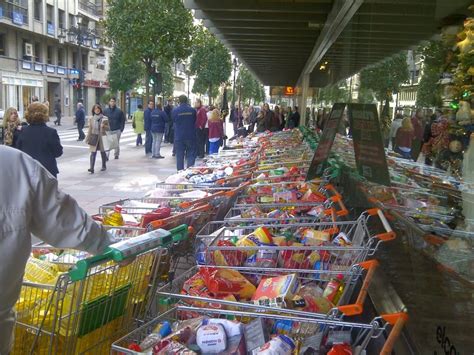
210, 63
429, 91
334, 93
123, 74
148, 31
249, 87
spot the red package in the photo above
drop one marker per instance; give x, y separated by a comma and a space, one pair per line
340, 349
159, 213
225, 281
311, 196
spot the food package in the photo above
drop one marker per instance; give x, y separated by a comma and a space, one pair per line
211, 338
225, 281
276, 288
340, 349
159, 213
227, 257
279, 345
314, 304
173, 348
232, 328
260, 237
313, 237
311, 196
293, 259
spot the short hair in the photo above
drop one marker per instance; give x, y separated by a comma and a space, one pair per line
199, 100
113, 98
183, 99
37, 113
93, 108
151, 102
140, 106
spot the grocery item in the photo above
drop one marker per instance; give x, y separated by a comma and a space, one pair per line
160, 331
114, 218
227, 257
211, 338
225, 281
173, 348
159, 213
279, 345
232, 328
332, 288
254, 334
276, 289
340, 349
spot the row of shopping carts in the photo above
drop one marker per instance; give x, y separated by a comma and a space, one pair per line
259, 229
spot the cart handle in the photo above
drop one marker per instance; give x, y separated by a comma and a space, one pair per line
389, 234
330, 187
397, 321
188, 204
160, 223
225, 180
343, 211
358, 307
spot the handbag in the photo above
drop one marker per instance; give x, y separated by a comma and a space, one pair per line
93, 139
110, 141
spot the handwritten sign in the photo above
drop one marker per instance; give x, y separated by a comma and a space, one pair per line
321, 154
368, 143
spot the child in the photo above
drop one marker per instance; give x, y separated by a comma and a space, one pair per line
216, 131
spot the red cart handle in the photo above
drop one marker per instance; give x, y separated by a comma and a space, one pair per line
343, 211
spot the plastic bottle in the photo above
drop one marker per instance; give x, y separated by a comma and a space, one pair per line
332, 287
161, 331
114, 218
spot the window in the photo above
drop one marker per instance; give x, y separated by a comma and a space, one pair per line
37, 52
72, 22
49, 13
38, 9
84, 61
49, 58
2, 44
61, 19
74, 60
60, 57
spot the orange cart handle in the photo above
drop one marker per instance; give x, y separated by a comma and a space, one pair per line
162, 222
397, 320
358, 307
343, 211
389, 233
223, 181
330, 187
188, 204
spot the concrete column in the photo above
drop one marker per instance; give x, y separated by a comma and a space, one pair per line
303, 87
56, 19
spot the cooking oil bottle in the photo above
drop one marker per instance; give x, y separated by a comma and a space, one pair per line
114, 218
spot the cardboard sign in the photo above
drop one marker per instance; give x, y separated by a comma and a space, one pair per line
368, 143
321, 154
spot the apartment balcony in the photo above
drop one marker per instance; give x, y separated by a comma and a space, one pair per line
16, 12
94, 8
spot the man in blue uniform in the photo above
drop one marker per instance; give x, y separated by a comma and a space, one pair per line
184, 121
148, 137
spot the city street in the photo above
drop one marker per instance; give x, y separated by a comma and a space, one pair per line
130, 176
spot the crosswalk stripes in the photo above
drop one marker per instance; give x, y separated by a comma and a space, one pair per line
71, 135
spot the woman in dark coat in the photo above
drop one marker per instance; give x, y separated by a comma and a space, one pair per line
38, 140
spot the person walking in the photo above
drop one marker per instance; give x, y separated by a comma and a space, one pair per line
98, 127
252, 119
418, 123
116, 122
158, 124
201, 122
169, 130
11, 127
294, 119
268, 117
404, 139
184, 119
57, 112
396, 124
216, 131
33, 204
261, 124
147, 126
40, 141
138, 124
80, 121
276, 120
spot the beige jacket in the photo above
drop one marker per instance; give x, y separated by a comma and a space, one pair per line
31, 203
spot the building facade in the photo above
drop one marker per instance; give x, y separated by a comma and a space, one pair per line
38, 59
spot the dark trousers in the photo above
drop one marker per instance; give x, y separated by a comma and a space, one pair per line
185, 148
80, 127
58, 118
139, 139
206, 139
148, 142
201, 142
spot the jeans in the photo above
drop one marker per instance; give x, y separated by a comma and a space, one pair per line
185, 148
201, 142
118, 132
157, 138
214, 147
139, 139
405, 155
58, 118
80, 127
148, 142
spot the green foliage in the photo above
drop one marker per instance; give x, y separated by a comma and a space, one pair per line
249, 88
210, 63
385, 77
149, 31
334, 93
429, 89
168, 78
123, 74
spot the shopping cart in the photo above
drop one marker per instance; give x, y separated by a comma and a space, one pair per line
85, 308
379, 336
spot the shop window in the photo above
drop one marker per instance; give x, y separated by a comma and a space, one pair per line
49, 58
60, 57
2, 44
38, 9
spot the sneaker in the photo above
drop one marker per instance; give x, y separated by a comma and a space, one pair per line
116, 157
160, 157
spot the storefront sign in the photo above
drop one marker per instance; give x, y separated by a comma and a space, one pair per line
321, 154
368, 143
96, 84
289, 91
61, 71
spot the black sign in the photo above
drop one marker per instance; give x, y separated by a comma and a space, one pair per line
368, 143
321, 154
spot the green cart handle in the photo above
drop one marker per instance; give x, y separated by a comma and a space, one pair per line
129, 248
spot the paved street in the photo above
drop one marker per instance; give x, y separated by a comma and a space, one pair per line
130, 176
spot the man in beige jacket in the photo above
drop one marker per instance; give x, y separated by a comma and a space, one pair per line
31, 204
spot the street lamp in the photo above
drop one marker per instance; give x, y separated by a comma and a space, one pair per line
82, 36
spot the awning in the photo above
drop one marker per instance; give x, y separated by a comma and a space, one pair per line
281, 40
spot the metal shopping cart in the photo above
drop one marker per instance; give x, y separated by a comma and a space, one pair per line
379, 336
63, 310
